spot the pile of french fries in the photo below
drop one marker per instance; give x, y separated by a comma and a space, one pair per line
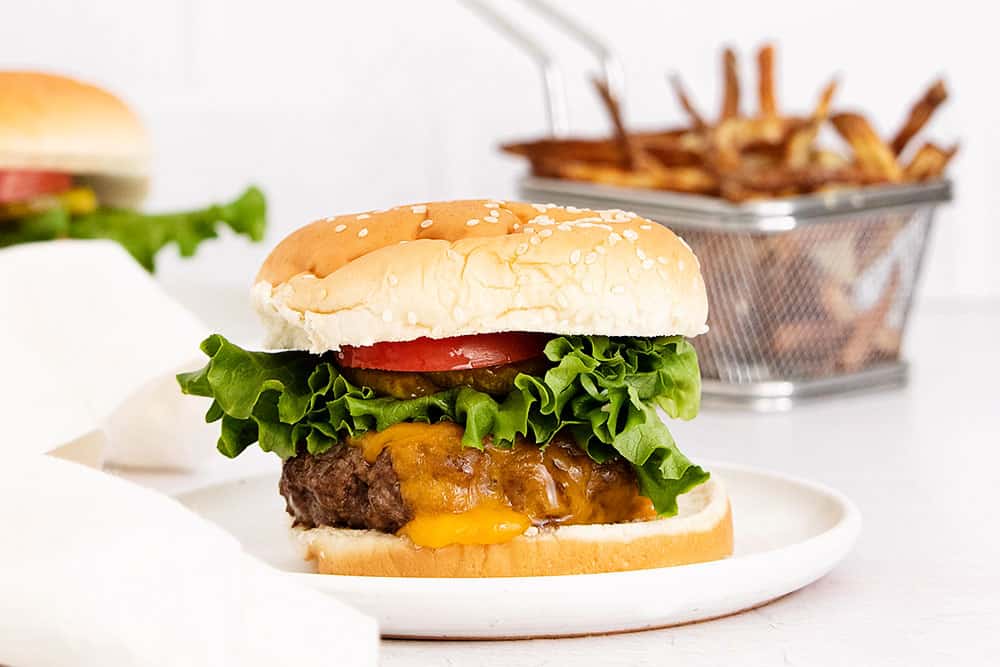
739, 157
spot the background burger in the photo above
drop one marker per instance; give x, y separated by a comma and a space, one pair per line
470, 389
74, 163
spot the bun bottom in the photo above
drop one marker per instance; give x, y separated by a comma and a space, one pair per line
701, 531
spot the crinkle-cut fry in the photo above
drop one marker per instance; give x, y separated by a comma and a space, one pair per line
798, 150
870, 152
921, 112
635, 157
697, 120
731, 92
929, 162
765, 81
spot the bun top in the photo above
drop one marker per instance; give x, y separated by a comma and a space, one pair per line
54, 123
478, 266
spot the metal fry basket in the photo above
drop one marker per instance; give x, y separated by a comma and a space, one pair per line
808, 296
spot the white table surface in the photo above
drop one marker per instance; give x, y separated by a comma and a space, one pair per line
923, 464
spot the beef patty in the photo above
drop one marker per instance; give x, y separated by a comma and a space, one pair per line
382, 480
341, 488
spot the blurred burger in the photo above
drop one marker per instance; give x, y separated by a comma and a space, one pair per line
74, 163
470, 389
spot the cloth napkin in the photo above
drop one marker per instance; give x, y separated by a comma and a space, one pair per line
95, 570
90, 340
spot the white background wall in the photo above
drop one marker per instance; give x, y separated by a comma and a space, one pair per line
342, 106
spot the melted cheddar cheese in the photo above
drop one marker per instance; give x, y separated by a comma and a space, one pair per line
462, 495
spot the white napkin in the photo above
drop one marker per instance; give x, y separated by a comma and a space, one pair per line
97, 571
84, 328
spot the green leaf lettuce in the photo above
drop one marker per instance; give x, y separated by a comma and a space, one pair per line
143, 235
602, 390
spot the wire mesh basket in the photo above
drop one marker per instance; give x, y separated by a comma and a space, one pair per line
808, 297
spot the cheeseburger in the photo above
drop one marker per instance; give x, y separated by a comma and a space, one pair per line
470, 388
74, 163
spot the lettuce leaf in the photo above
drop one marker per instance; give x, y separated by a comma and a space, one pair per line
141, 234
602, 390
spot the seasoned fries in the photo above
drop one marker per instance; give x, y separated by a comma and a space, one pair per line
743, 157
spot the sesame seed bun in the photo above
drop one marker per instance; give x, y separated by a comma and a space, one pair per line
479, 266
701, 531
54, 123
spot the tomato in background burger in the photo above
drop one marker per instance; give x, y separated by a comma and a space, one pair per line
21, 185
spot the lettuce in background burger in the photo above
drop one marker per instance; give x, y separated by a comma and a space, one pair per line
470, 389
74, 163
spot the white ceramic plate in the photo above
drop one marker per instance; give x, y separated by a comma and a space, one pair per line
788, 533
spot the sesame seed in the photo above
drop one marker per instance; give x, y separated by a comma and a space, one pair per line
601, 250
521, 249
647, 264
473, 222
545, 233
426, 223
535, 240
393, 280
661, 259
590, 258
517, 225
573, 209
640, 253
491, 218
387, 315
492, 204
614, 238
419, 208
340, 228
618, 289
411, 317
574, 257
529, 230
495, 212
646, 227
363, 216
564, 228
539, 207
363, 232
630, 234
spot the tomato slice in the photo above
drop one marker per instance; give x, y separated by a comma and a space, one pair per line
445, 354
21, 185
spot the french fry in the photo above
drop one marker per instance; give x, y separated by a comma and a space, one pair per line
765, 81
919, 115
929, 162
739, 158
861, 341
870, 152
731, 94
697, 120
634, 157
798, 150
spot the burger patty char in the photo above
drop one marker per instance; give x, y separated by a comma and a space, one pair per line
341, 488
